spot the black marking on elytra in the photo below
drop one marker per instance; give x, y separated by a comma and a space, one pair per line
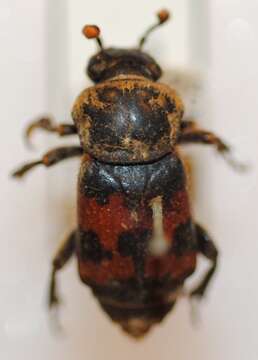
130, 113
184, 239
151, 290
136, 182
134, 245
90, 248
155, 312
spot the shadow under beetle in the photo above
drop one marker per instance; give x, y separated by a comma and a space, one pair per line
136, 241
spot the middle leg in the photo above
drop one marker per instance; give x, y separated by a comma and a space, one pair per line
207, 248
50, 158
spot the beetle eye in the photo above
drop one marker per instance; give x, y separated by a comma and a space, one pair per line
99, 66
98, 57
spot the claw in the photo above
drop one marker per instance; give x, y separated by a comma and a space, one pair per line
44, 123
54, 319
53, 303
22, 170
235, 164
195, 314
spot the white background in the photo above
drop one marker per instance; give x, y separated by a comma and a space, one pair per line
43, 56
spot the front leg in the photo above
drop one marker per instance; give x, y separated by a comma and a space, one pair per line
50, 158
190, 133
48, 125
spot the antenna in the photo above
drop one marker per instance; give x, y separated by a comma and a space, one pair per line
93, 32
163, 16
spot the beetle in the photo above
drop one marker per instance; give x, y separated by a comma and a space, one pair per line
136, 240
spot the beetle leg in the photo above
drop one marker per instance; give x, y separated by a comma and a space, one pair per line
50, 158
188, 124
208, 249
191, 134
48, 125
62, 256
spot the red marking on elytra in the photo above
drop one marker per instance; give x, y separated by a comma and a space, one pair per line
174, 214
178, 212
110, 220
119, 268
170, 264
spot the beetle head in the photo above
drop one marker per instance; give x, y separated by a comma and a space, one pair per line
111, 62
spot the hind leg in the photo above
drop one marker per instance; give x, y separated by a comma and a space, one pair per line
207, 248
61, 258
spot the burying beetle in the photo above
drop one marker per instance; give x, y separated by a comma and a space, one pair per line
136, 242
